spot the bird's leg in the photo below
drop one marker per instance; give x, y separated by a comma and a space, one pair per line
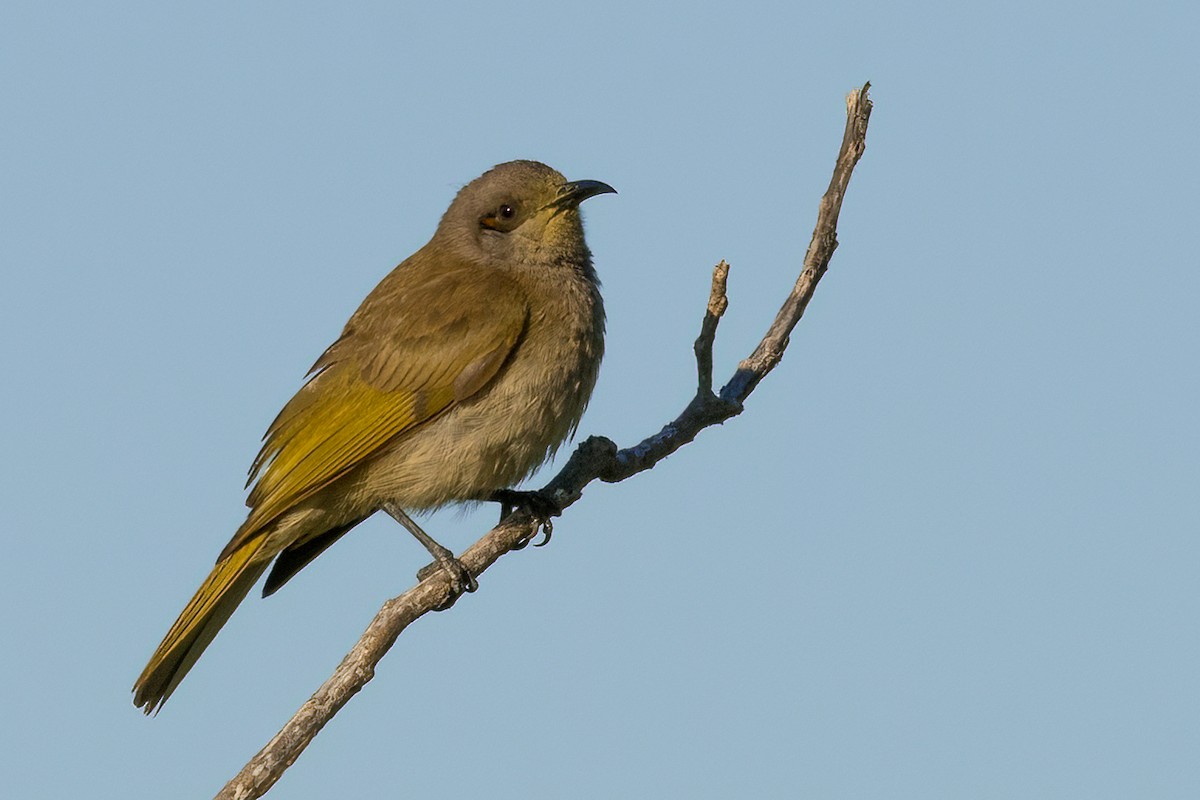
540, 506
460, 579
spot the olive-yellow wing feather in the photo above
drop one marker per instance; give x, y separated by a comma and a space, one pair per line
380, 380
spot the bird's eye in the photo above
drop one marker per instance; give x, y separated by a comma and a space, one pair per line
502, 219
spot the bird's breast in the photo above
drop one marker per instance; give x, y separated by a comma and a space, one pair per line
497, 437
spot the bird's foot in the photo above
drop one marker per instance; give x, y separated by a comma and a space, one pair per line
461, 579
540, 506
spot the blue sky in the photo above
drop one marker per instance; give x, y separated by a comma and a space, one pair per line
948, 551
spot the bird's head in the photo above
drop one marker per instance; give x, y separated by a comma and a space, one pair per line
520, 212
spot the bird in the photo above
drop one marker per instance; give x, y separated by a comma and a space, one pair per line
459, 374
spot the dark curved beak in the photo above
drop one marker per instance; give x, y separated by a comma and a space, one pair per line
572, 193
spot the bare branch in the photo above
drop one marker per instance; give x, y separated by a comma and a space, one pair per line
816, 260
595, 458
717, 303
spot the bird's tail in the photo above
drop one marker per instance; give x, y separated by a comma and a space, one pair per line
210, 608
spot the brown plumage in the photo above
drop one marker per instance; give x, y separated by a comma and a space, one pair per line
459, 374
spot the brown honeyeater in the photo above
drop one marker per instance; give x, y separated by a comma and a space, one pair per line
460, 373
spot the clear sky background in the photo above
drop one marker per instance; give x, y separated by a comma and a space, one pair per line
950, 550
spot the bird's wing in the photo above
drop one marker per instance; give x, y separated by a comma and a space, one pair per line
382, 378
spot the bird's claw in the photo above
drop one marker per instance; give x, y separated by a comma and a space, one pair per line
539, 506
461, 580
545, 527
